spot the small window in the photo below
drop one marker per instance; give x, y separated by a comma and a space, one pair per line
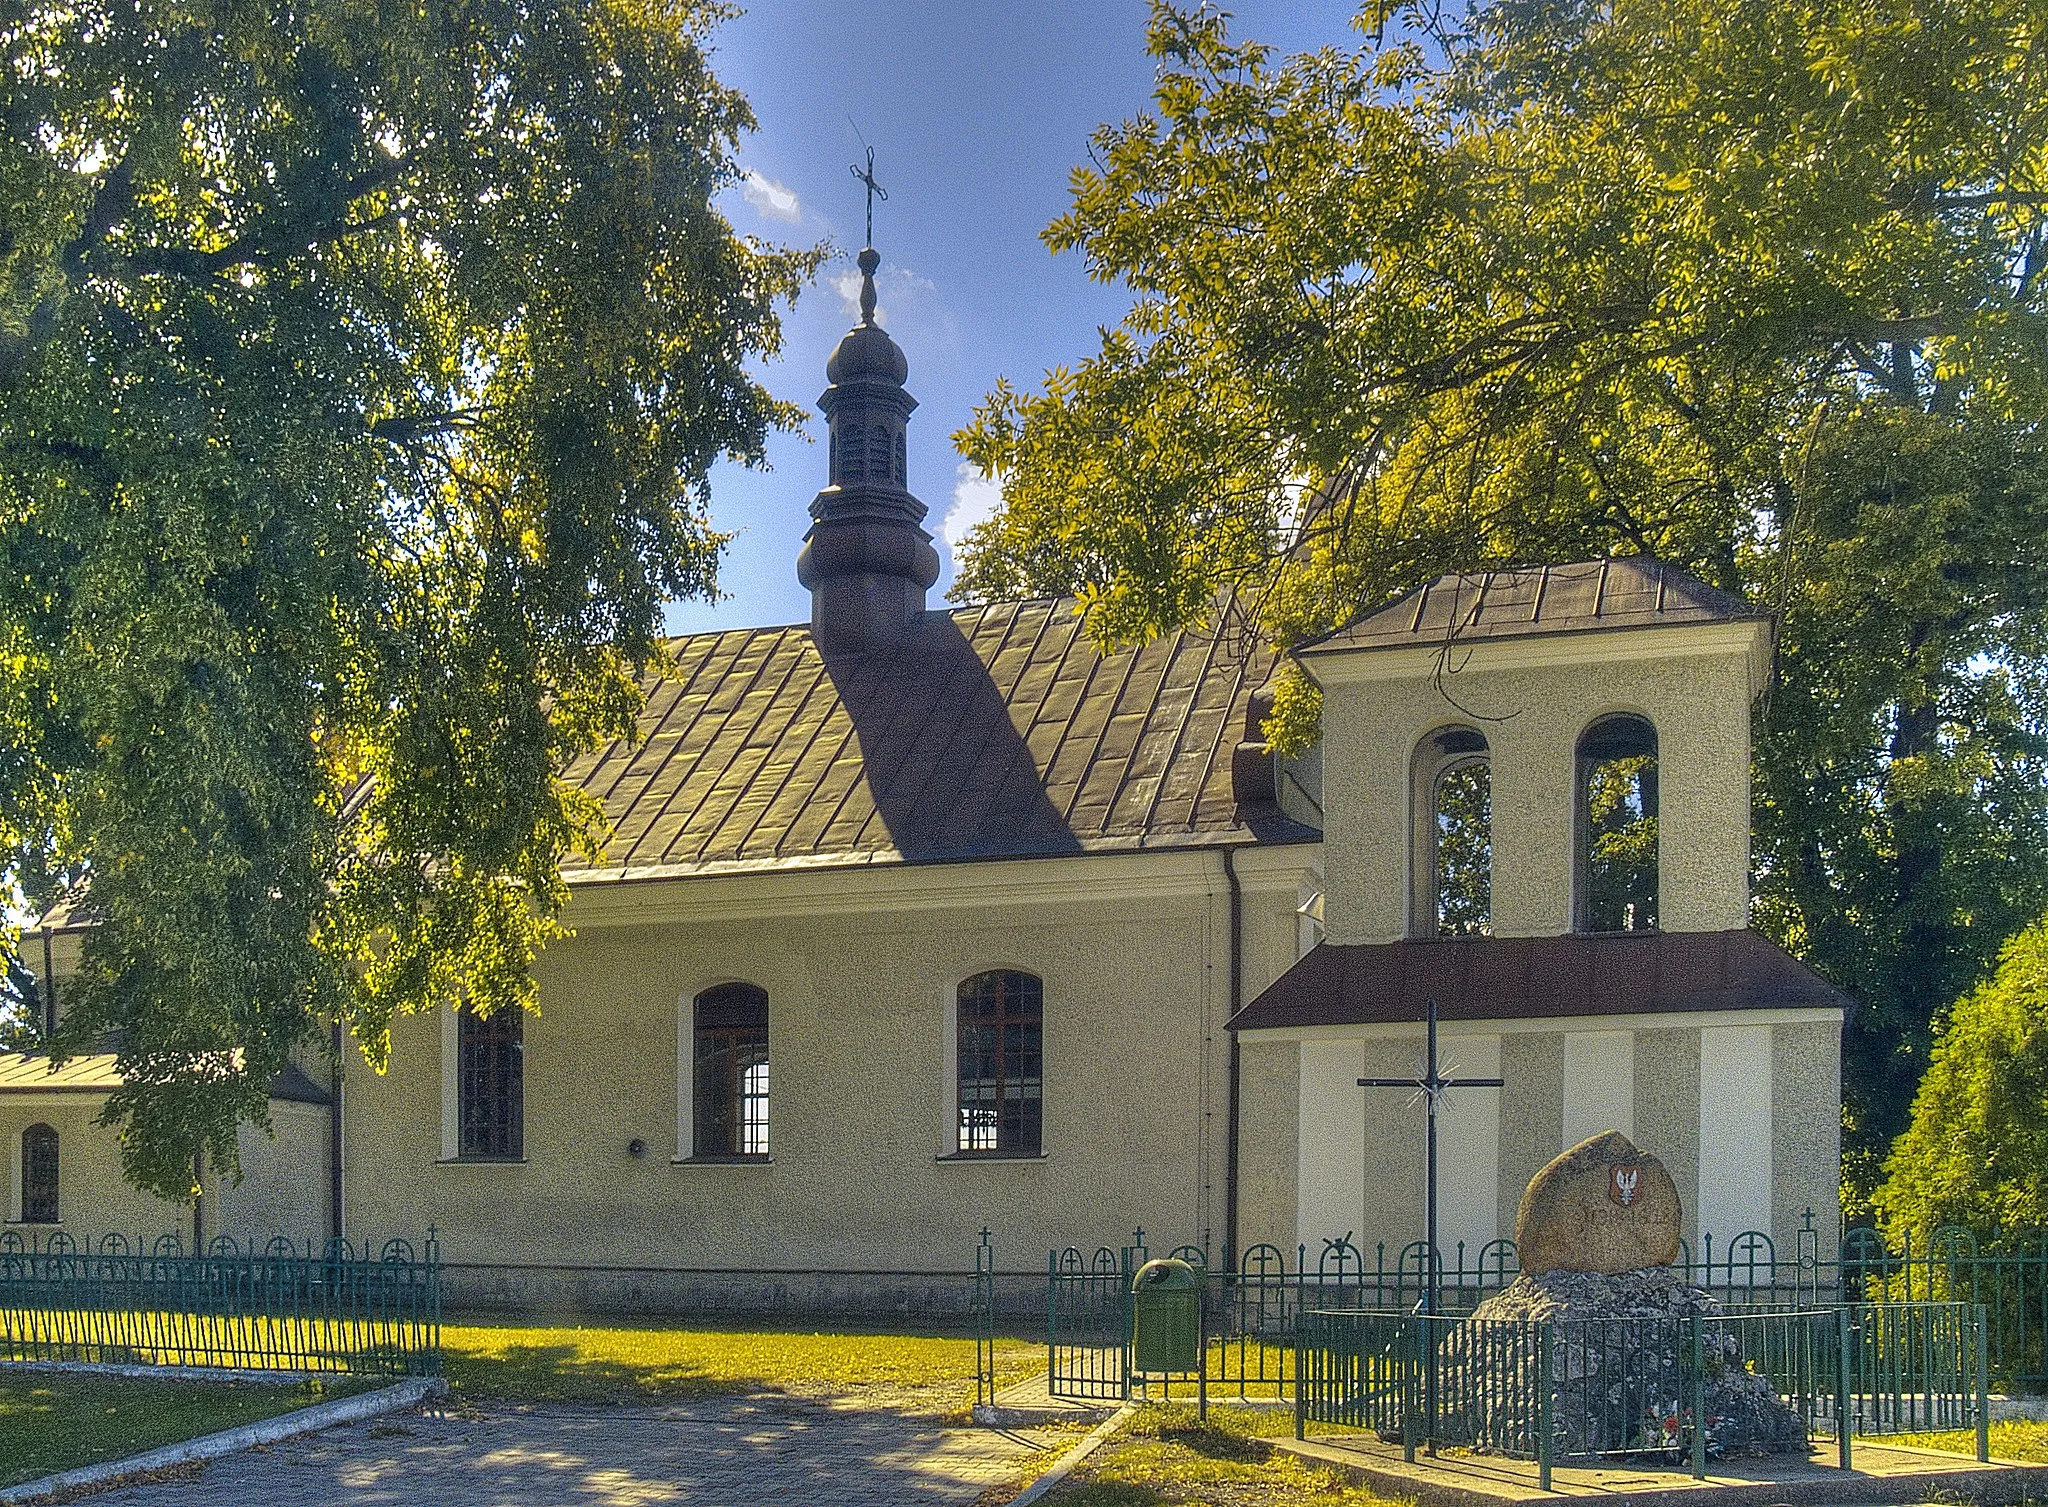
1617, 826
490, 1085
39, 1175
1002, 1064
1454, 835
730, 1099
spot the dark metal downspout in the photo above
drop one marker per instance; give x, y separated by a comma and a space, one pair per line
49, 991
1236, 1002
335, 1212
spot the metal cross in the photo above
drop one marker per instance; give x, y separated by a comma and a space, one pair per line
1429, 1088
875, 191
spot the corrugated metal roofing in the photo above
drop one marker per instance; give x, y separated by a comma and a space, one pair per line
100, 1073
990, 731
1522, 978
1578, 598
25, 1072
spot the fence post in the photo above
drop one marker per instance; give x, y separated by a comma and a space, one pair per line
1983, 1390
1411, 1406
1301, 1377
1844, 1427
1699, 1397
1546, 1442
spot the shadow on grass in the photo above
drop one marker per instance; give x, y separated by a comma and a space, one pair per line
562, 1373
1215, 1443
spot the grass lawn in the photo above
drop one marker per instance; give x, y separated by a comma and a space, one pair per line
639, 1363
2019, 1439
52, 1422
1164, 1455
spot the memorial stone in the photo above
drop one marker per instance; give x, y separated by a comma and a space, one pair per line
1603, 1206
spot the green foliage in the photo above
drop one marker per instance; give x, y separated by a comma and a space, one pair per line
1751, 286
1464, 849
1621, 844
360, 372
1976, 1150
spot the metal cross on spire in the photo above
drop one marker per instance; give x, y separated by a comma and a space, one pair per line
1431, 1086
875, 191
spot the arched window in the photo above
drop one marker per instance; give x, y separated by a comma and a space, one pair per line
1454, 835
1002, 1064
39, 1175
729, 1102
490, 1085
849, 447
902, 462
1617, 826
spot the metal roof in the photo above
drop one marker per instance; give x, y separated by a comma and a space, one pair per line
992, 731
1584, 597
100, 1073
1523, 978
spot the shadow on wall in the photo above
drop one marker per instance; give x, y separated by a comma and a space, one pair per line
948, 772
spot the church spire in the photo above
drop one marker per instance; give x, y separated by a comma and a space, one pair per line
867, 560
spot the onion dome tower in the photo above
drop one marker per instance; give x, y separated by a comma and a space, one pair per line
867, 559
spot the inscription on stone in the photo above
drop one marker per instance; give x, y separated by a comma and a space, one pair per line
1602, 1206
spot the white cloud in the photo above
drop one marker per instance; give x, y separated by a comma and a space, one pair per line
976, 499
771, 198
847, 286
907, 304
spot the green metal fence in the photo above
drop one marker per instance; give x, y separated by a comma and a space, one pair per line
1640, 1389
1088, 1321
334, 1310
1252, 1311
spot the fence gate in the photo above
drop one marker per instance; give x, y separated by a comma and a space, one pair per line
1088, 1322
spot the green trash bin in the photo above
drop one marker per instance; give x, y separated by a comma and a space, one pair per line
1166, 1317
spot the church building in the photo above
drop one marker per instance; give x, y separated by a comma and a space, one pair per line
921, 920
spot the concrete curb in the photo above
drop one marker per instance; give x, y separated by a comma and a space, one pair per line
990, 1415
162, 1373
1998, 1482
1064, 1466
405, 1394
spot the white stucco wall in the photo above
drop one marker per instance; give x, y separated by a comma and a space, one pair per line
1532, 699
860, 970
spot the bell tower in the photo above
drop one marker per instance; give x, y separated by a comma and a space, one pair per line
867, 560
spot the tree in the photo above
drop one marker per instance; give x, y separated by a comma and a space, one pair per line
1976, 1151
1750, 286
360, 372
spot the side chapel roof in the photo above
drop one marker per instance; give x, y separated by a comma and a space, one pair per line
1582, 597
991, 731
100, 1073
1489, 978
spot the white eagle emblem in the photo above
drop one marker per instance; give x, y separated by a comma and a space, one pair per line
1622, 1184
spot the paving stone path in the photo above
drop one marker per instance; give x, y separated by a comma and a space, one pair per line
726, 1452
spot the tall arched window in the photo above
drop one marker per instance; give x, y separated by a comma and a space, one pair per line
39, 1175
490, 1085
729, 1100
1617, 826
1002, 1064
1454, 835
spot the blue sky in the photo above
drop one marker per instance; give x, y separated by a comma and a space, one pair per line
977, 113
